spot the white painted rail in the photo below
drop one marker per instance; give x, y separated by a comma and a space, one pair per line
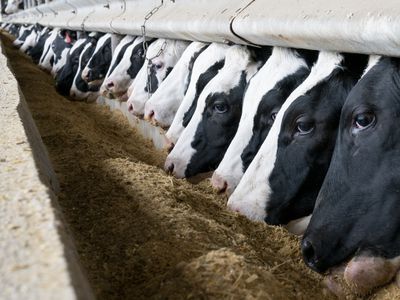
361, 26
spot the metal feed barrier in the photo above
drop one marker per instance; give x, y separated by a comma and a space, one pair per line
360, 26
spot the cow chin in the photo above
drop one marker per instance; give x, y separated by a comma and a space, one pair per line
362, 274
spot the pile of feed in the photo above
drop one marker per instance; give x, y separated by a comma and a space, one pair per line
143, 234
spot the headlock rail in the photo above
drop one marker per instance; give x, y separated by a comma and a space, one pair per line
360, 26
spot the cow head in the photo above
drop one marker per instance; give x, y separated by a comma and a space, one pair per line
205, 67
267, 90
24, 32
163, 104
356, 213
98, 64
289, 168
13, 6
36, 51
161, 57
61, 46
215, 119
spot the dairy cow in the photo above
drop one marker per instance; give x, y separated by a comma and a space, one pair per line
205, 67
99, 63
80, 89
355, 222
122, 74
37, 50
267, 90
61, 45
66, 74
215, 119
163, 104
161, 57
282, 182
47, 59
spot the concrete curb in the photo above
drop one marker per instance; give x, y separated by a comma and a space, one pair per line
37, 257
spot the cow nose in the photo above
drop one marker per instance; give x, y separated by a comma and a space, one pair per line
149, 115
169, 145
219, 183
309, 255
110, 84
169, 168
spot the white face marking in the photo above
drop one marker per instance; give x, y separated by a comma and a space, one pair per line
99, 45
251, 196
12, 6
282, 63
214, 53
372, 61
61, 62
22, 30
166, 99
48, 52
237, 61
173, 50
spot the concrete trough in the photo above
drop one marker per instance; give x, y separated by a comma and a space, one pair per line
38, 259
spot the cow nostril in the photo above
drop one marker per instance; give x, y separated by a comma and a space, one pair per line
170, 168
110, 84
89, 74
130, 108
308, 251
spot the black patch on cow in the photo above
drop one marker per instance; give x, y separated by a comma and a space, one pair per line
302, 160
152, 81
202, 81
137, 59
310, 56
267, 109
190, 66
216, 129
120, 56
260, 54
66, 75
358, 204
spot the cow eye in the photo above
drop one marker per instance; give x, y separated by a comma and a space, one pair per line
220, 107
159, 66
304, 127
273, 116
363, 120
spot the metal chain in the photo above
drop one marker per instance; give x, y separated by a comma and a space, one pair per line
163, 46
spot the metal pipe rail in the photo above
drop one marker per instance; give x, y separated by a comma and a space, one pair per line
360, 26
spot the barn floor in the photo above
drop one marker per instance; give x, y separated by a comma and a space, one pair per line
142, 234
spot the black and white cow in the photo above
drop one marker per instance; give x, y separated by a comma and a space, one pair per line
171, 91
267, 90
282, 182
61, 46
80, 89
122, 75
23, 33
14, 29
47, 59
36, 51
161, 57
356, 217
66, 74
117, 57
205, 67
98, 65
204, 141
31, 39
